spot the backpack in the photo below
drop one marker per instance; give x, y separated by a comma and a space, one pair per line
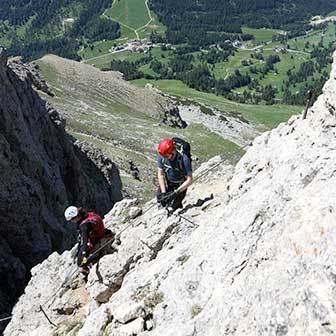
97, 225
183, 147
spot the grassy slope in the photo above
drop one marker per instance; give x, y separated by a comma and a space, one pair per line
314, 38
222, 69
115, 117
99, 48
267, 115
104, 61
261, 35
132, 13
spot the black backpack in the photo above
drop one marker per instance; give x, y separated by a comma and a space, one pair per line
183, 147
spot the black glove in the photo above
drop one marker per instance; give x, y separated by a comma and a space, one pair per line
162, 199
170, 196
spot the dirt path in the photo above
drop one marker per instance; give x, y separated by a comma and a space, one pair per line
100, 56
126, 26
146, 25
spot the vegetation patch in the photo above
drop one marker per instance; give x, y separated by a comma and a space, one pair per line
151, 298
261, 34
131, 13
73, 325
266, 115
195, 310
135, 18
183, 259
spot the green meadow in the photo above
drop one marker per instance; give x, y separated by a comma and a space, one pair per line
268, 116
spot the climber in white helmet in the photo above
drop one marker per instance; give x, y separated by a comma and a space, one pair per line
70, 213
90, 228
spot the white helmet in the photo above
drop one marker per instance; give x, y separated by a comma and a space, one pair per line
70, 213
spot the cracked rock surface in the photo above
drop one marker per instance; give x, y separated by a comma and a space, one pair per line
41, 173
252, 252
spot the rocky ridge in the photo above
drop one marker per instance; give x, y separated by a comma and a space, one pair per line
30, 71
125, 121
111, 84
252, 252
42, 172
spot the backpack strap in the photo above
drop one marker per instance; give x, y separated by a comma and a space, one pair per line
167, 166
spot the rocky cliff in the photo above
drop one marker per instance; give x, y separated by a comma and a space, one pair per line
251, 253
42, 172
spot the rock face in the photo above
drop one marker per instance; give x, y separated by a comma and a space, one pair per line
42, 172
172, 118
252, 252
30, 71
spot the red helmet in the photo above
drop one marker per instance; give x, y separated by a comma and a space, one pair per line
165, 147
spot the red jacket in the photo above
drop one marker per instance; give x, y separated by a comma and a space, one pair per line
97, 226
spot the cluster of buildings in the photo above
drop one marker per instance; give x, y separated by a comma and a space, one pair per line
140, 46
317, 20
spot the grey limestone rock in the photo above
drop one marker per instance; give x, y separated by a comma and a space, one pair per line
173, 118
93, 158
259, 259
30, 71
41, 173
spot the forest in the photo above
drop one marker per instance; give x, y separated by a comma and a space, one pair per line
42, 21
197, 23
192, 21
202, 34
247, 82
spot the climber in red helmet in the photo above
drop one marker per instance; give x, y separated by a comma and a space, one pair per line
174, 173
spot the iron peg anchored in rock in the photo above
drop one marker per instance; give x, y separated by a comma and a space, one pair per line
309, 96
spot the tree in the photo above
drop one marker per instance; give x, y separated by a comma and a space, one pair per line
268, 94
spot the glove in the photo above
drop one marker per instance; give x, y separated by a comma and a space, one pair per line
162, 199
170, 196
